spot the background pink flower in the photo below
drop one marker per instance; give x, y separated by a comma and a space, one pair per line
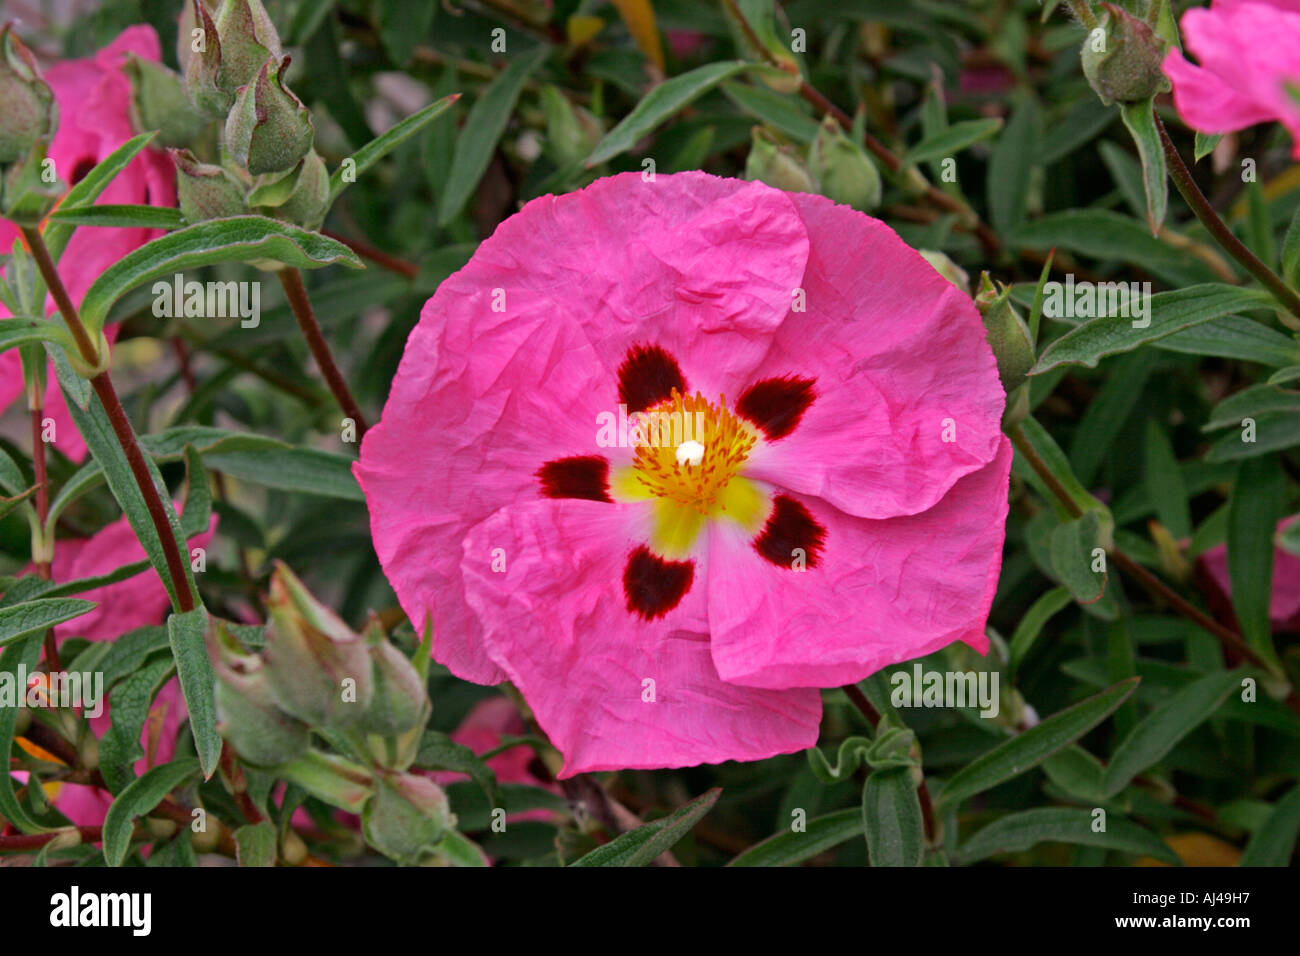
93, 96
1284, 603
641, 635
1249, 55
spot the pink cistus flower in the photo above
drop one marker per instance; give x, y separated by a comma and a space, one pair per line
93, 96
1249, 55
1284, 602
837, 506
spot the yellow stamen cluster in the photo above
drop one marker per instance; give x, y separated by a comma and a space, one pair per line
727, 441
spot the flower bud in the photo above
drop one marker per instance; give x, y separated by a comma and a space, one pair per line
268, 129
27, 109
947, 268
247, 717
1006, 333
399, 701
159, 101
842, 169
205, 191
248, 39
200, 59
406, 815
317, 668
1121, 58
310, 199
776, 165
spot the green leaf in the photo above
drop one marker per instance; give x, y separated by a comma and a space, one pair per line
952, 140
1039, 613
25, 654
1071, 550
128, 709
644, 845
186, 633
1140, 118
1046, 448
1289, 538
1274, 842
1009, 169
659, 104
197, 514
1273, 431
1291, 252
1288, 374
1238, 338
121, 216
1164, 482
1077, 772
1157, 733
255, 844
1256, 506
95, 429
85, 193
1109, 409
783, 113
787, 849
1017, 832
236, 239
1251, 403
439, 752
1028, 749
34, 617
28, 331
483, 128
385, 143
1169, 312
891, 816
136, 800
1109, 236
1205, 143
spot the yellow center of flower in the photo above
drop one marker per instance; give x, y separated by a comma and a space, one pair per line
688, 460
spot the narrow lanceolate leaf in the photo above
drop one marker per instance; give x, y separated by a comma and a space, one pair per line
643, 845
1017, 832
1140, 118
1264, 433
198, 683
136, 800
1235, 337
659, 104
1039, 613
33, 617
1257, 504
1157, 733
87, 191
1164, 481
95, 429
1274, 842
439, 752
1291, 252
952, 140
1205, 143
28, 331
891, 816
1170, 312
483, 128
1014, 156
821, 834
197, 514
385, 143
122, 217
1251, 403
1027, 750
237, 239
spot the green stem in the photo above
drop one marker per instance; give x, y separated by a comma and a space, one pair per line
1083, 11
1182, 177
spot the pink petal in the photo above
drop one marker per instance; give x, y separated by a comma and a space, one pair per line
557, 624
1284, 602
896, 353
882, 591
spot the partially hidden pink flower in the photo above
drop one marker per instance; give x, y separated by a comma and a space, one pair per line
838, 506
1284, 602
1249, 55
93, 97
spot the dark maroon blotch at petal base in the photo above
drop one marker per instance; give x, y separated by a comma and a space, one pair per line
647, 377
582, 476
788, 527
776, 404
654, 586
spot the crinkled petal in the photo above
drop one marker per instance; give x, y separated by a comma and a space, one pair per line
882, 591
556, 621
900, 366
